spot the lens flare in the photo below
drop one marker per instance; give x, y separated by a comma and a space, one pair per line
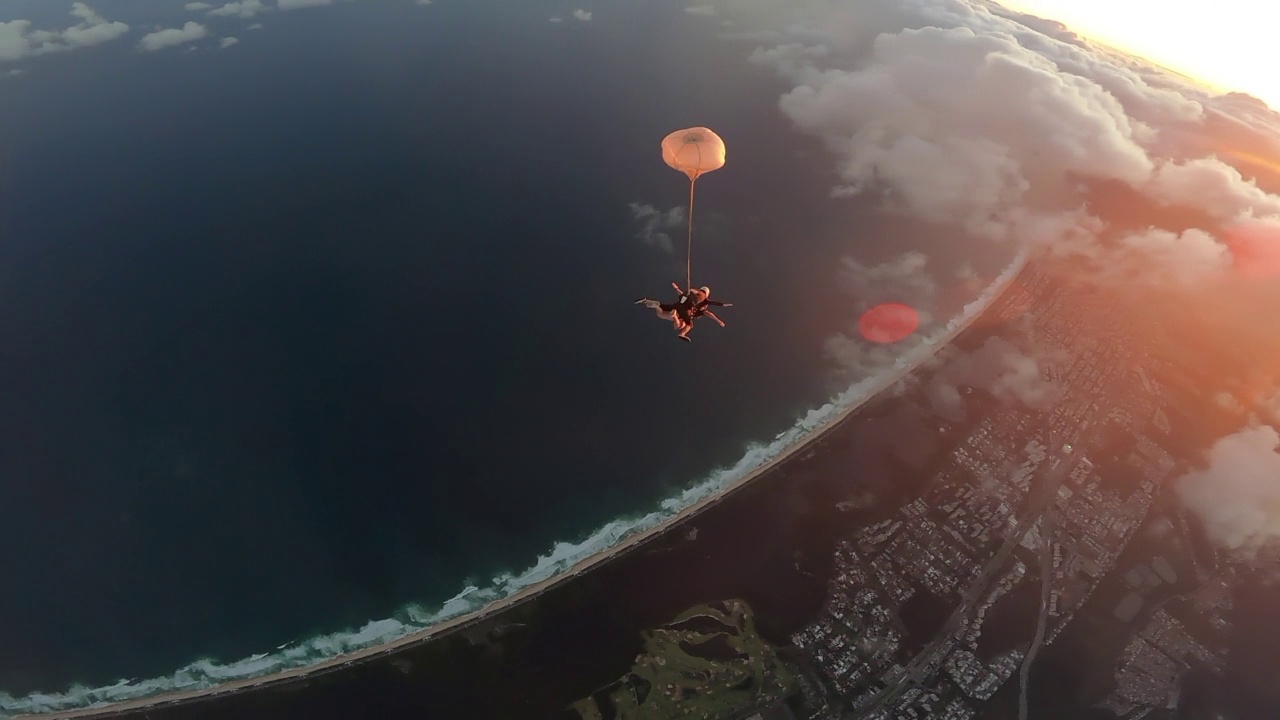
888, 322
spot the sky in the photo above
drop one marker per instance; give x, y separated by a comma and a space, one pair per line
1229, 44
976, 132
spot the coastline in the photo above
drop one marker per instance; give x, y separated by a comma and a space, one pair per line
632, 543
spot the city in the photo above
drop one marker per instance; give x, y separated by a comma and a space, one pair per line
1042, 500
1045, 524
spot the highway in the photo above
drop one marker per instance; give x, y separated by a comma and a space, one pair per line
1046, 587
923, 664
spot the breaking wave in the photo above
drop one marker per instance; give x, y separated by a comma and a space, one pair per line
203, 674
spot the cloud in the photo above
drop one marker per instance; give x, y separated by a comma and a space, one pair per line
227, 42
961, 127
241, 8
298, 4
161, 39
1210, 185
1237, 494
18, 40
901, 279
556, 20
1269, 405
657, 225
1255, 247
196, 6
998, 367
704, 10
582, 15
1168, 257
422, 2
255, 26
964, 114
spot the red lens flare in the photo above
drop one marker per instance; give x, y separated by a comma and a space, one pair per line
1255, 246
888, 322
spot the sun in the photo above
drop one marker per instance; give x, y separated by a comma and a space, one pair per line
1228, 45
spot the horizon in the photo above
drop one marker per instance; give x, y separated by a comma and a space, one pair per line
1218, 46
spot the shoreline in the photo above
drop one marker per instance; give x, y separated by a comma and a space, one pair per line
531, 592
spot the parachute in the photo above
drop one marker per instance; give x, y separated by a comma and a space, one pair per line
695, 152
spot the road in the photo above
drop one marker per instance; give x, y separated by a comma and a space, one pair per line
1046, 587
923, 664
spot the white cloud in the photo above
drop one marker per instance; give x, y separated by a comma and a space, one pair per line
556, 20
1237, 494
18, 40
1210, 185
704, 10
197, 6
297, 4
240, 8
422, 2
169, 37
657, 225
999, 368
227, 42
582, 15
1255, 247
961, 113
1269, 405
860, 359
1168, 257
903, 279
960, 126
255, 26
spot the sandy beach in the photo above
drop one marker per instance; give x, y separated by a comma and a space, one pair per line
533, 591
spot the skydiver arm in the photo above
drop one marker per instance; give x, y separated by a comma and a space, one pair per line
678, 288
712, 315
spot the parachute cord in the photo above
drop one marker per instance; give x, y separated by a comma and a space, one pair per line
688, 263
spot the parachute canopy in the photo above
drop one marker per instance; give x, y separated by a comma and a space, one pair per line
693, 151
889, 322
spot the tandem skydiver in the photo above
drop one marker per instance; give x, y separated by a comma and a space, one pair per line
689, 305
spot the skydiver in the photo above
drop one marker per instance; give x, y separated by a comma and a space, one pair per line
679, 312
690, 305
701, 305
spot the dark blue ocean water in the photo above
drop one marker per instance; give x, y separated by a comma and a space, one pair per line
340, 318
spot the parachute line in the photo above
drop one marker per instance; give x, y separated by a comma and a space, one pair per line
688, 262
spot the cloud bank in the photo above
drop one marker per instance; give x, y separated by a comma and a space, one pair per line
1237, 494
1000, 124
18, 40
966, 114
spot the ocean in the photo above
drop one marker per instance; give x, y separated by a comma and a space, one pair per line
304, 338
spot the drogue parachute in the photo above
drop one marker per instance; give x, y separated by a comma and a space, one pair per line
695, 152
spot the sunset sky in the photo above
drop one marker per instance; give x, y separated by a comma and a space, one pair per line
1229, 44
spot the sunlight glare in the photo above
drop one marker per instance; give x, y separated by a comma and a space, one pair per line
1229, 44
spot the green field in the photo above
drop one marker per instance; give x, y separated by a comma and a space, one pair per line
707, 663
